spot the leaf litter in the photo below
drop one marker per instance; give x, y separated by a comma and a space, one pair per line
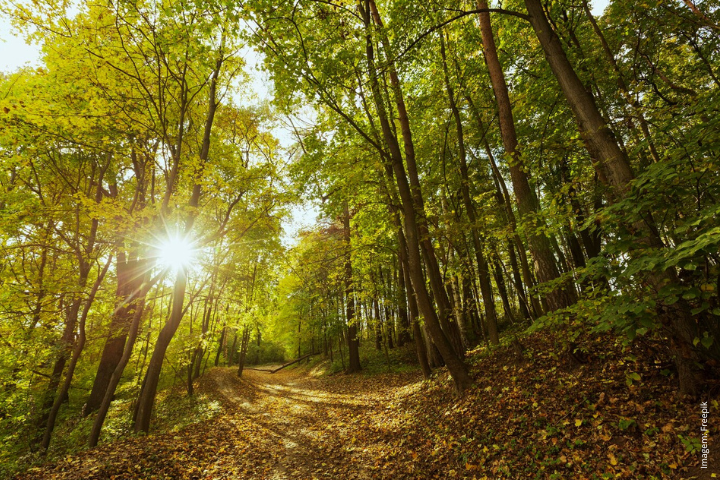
616, 416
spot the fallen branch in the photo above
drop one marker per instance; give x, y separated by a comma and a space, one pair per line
282, 366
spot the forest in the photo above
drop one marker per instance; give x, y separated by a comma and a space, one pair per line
361, 239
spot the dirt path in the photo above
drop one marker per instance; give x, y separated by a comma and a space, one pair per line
533, 420
301, 417
272, 426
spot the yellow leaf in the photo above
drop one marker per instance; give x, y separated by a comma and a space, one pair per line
578, 422
613, 460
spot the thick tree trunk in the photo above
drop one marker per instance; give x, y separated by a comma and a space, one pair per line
120, 368
540, 247
613, 168
129, 277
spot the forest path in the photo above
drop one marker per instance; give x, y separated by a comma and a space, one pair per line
286, 425
302, 418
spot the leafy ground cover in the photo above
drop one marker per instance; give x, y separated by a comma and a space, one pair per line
537, 416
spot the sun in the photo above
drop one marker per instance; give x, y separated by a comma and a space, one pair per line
175, 252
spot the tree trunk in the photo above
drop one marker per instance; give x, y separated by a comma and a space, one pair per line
613, 168
378, 325
117, 373
146, 399
412, 303
622, 85
128, 273
483, 273
230, 355
456, 366
432, 268
352, 337
403, 319
500, 282
220, 345
243, 350
77, 350
540, 247
530, 301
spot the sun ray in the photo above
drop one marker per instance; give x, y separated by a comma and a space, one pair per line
175, 252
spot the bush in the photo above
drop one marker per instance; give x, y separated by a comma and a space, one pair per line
267, 352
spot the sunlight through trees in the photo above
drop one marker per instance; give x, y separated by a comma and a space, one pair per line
484, 174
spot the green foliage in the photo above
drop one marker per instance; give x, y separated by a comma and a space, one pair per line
692, 445
266, 353
140, 124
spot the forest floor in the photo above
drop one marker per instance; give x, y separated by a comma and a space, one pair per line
538, 417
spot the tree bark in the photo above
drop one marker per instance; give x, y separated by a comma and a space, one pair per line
77, 351
456, 366
146, 399
540, 247
129, 278
352, 337
403, 318
450, 328
243, 350
613, 168
622, 85
152, 376
117, 373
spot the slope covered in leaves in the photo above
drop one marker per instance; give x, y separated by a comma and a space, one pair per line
615, 416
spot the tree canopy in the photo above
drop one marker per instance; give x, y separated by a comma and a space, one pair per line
482, 172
